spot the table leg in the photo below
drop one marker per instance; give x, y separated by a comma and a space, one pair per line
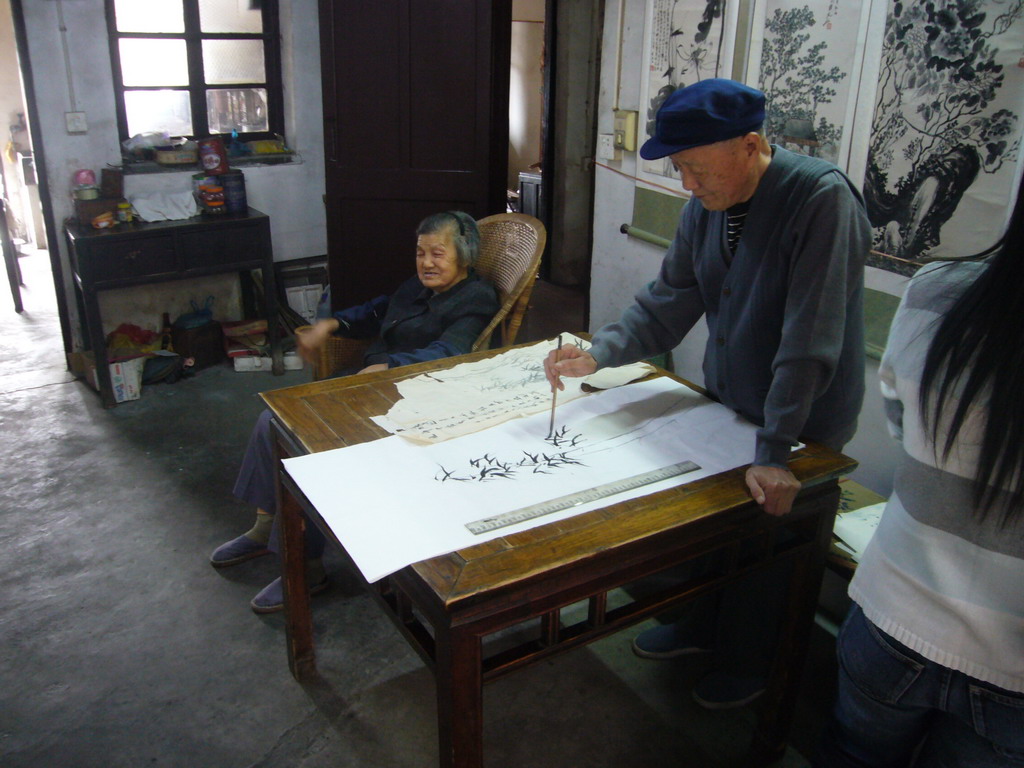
98, 342
459, 682
298, 619
779, 702
273, 332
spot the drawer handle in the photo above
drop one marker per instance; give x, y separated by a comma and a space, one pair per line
132, 255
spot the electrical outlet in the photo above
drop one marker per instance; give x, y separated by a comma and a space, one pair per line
76, 122
605, 146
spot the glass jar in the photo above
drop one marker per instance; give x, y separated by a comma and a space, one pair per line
124, 211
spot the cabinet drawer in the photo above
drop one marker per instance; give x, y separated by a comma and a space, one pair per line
124, 259
229, 245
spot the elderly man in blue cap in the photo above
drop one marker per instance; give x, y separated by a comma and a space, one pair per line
770, 250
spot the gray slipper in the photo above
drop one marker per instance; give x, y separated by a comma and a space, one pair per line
237, 551
271, 598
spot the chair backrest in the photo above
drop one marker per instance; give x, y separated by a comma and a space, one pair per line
511, 245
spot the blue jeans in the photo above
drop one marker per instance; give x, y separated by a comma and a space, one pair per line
893, 702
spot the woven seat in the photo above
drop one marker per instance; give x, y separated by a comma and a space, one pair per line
511, 245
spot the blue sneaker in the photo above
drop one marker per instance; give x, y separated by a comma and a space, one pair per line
723, 690
667, 641
237, 551
271, 598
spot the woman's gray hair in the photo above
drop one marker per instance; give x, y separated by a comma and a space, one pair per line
463, 230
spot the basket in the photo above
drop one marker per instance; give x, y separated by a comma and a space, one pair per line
176, 156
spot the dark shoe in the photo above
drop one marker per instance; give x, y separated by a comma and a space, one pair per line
666, 642
237, 551
721, 690
271, 598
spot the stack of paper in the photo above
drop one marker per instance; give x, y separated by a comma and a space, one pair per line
474, 396
855, 528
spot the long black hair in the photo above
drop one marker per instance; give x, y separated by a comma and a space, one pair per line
978, 353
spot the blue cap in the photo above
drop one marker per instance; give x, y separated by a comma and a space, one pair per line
703, 113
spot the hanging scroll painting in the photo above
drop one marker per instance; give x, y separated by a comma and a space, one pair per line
945, 135
685, 41
807, 59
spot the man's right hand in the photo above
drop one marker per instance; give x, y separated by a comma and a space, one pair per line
773, 488
569, 361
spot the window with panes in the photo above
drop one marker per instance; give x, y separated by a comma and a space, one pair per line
196, 68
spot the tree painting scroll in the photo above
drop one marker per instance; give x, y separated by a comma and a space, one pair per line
805, 60
946, 129
685, 41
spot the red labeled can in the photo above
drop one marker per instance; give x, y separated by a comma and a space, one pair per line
212, 155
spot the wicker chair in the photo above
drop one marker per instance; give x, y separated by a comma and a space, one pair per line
511, 245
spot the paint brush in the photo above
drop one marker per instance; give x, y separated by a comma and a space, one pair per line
554, 391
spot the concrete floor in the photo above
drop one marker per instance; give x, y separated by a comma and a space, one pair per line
123, 647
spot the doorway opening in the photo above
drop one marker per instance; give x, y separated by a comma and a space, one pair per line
22, 228
554, 64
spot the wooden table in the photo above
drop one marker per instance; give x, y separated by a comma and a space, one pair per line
463, 597
141, 253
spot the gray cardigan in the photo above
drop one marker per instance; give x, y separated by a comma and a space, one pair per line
785, 319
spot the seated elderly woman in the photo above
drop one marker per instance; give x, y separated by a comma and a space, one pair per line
436, 314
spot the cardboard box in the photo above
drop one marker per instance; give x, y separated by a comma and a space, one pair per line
112, 183
125, 375
204, 343
126, 379
87, 210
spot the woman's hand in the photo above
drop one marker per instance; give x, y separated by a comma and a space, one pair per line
374, 368
571, 361
310, 340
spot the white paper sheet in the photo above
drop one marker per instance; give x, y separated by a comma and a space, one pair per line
470, 397
391, 502
855, 528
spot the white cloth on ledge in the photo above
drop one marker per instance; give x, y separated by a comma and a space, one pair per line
164, 206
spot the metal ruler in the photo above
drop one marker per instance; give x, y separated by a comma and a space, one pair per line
580, 497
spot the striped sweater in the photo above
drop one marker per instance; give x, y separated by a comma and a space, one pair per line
933, 577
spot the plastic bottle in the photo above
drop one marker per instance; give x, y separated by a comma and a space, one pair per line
165, 333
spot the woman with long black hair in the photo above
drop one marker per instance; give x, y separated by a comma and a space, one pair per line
931, 655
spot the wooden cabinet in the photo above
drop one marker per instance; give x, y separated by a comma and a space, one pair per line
150, 252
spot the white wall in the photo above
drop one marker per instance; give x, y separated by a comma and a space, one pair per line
621, 265
526, 83
292, 195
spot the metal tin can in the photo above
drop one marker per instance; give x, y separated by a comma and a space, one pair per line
234, 191
212, 155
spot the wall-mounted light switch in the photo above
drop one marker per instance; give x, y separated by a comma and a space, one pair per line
625, 129
75, 122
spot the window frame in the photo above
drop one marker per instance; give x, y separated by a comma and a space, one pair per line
198, 87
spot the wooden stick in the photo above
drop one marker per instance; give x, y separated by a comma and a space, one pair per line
554, 392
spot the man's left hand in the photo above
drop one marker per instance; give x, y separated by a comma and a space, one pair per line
773, 488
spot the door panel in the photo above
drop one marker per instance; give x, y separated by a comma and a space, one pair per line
415, 121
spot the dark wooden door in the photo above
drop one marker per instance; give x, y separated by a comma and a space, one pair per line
415, 121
